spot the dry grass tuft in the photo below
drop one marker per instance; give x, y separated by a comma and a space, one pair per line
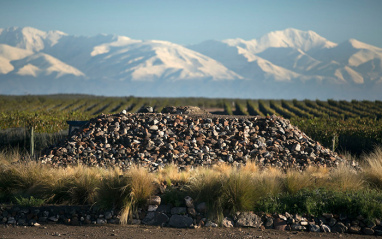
372, 167
345, 178
141, 184
268, 182
170, 175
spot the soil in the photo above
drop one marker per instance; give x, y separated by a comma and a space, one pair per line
140, 232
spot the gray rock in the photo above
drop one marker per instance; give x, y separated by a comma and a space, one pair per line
108, 215
180, 221
152, 208
248, 219
268, 223
211, 224
354, 229
178, 210
332, 221
368, 231
21, 222
155, 219
189, 201
155, 200
166, 209
101, 221
201, 207
227, 222
339, 227
279, 224
53, 219
314, 228
191, 211
113, 221
325, 228
297, 227
11, 220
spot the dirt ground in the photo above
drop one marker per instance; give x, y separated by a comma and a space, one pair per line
141, 232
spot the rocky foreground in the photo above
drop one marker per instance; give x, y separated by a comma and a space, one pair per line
189, 215
155, 139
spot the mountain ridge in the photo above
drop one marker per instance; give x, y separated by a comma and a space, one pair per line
284, 63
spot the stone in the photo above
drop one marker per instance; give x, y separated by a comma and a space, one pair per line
325, 228
296, 147
314, 228
211, 224
248, 219
304, 223
279, 224
155, 200
201, 207
368, 231
268, 223
354, 229
180, 221
113, 221
11, 220
21, 222
178, 210
108, 215
227, 222
191, 211
339, 227
101, 221
327, 215
378, 232
297, 227
166, 209
189, 202
36, 224
152, 208
155, 219
332, 221
53, 219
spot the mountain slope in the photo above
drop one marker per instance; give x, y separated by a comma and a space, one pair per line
281, 64
123, 59
29, 38
8, 54
40, 64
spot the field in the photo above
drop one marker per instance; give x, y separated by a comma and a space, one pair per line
354, 127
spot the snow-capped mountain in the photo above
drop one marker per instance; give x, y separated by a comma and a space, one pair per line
29, 38
282, 64
125, 59
300, 57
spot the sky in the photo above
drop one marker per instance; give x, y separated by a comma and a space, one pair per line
190, 22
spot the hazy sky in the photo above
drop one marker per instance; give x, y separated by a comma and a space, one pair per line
193, 21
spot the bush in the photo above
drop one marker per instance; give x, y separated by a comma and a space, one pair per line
367, 203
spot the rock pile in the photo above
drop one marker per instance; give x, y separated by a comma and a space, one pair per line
156, 139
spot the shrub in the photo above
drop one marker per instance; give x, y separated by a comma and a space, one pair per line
29, 202
238, 192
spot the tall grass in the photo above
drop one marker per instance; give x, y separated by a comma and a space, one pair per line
225, 189
372, 164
